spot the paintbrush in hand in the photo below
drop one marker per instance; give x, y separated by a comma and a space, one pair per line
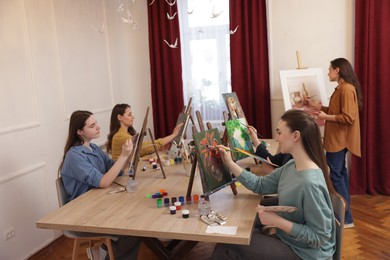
247, 126
212, 147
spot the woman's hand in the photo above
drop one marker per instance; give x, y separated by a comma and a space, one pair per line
253, 135
228, 161
120, 164
176, 130
226, 156
267, 218
169, 138
272, 219
127, 148
308, 102
321, 115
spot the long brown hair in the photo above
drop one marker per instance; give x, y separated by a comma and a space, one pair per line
298, 120
347, 73
118, 109
77, 122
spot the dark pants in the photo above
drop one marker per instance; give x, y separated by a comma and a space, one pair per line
339, 177
261, 247
125, 247
270, 201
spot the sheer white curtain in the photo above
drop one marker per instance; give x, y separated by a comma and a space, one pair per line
205, 52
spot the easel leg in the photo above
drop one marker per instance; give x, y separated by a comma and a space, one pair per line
234, 188
155, 150
192, 176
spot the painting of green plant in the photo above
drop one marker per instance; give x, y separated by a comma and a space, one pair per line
239, 137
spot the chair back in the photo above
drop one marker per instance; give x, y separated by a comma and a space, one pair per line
61, 192
80, 236
339, 212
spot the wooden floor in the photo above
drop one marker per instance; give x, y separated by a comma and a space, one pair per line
370, 239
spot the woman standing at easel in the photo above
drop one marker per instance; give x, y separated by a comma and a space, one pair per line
121, 129
342, 127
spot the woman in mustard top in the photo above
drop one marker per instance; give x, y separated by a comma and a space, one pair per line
121, 129
342, 126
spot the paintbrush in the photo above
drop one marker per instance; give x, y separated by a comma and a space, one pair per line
243, 152
117, 183
247, 126
216, 148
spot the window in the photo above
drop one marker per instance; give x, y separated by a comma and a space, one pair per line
205, 51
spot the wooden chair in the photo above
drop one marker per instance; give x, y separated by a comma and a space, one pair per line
339, 212
80, 237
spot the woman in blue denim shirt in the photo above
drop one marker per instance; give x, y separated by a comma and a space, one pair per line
86, 166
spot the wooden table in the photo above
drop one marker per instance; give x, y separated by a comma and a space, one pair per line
136, 215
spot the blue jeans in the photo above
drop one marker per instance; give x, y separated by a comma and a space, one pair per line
339, 177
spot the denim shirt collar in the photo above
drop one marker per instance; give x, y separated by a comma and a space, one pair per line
83, 149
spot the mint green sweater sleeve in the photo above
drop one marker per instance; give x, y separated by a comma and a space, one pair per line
261, 184
313, 232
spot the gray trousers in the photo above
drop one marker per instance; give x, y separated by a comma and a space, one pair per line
261, 247
125, 247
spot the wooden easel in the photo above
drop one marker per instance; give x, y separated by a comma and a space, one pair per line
188, 110
182, 135
137, 151
193, 167
299, 61
195, 161
155, 150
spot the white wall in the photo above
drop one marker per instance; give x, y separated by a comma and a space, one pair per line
52, 62
320, 30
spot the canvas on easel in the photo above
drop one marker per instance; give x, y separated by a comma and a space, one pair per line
214, 174
233, 105
238, 137
297, 85
135, 157
182, 119
177, 147
138, 146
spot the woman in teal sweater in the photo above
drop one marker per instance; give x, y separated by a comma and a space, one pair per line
303, 183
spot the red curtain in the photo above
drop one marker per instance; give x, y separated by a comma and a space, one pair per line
249, 62
370, 174
165, 66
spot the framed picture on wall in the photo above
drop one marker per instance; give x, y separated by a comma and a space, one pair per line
297, 85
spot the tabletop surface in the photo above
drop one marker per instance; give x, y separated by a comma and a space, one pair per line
134, 214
